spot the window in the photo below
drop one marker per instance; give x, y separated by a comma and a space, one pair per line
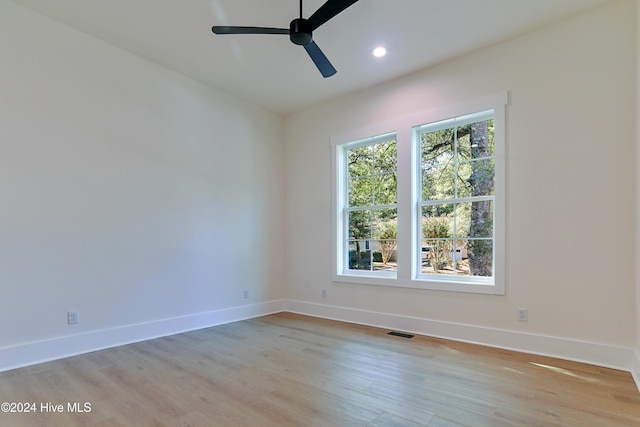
370, 208
457, 176
419, 201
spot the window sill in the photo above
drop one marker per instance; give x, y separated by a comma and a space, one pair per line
448, 285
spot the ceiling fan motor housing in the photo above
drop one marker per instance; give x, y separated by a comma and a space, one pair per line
300, 31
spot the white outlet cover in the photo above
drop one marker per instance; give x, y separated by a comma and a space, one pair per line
522, 314
73, 317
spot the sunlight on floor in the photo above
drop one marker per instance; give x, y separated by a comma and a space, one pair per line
512, 370
566, 372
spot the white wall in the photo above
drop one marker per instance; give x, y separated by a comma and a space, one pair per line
127, 191
571, 186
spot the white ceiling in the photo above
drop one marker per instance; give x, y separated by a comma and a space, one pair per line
272, 72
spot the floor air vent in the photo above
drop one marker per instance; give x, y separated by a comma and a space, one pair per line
400, 334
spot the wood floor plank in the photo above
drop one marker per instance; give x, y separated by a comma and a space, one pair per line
291, 370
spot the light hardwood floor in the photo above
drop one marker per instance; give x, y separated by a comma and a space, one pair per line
291, 370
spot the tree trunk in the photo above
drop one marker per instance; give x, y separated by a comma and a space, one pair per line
480, 251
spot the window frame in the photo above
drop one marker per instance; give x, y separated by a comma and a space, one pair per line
419, 203
345, 209
408, 214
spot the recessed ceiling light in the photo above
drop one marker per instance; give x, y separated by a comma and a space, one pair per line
379, 51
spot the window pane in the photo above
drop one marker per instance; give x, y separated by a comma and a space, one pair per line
479, 175
437, 221
424, 256
360, 225
428, 186
437, 257
437, 147
461, 258
384, 254
463, 219
474, 219
438, 183
464, 187
384, 157
476, 178
359, 255
480, 254
360, 161
476, 140
385, 227
385, 223
385, 189
360, 192
463, 142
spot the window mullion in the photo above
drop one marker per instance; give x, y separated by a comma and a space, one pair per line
404, 171
373, 202
366, 208
455, 205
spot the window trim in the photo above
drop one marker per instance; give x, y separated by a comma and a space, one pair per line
405, 129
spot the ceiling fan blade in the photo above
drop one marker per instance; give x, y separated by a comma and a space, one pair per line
248, 30
328, 10
321, 61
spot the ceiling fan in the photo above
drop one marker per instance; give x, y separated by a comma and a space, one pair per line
300, 31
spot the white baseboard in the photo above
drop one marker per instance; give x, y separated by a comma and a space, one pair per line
580, 351
57, 348
32, 353
635, 370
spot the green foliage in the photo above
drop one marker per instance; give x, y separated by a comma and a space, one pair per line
438, 147
359, 225
463, 219
386, 230
387, 233
373, 174
436, 227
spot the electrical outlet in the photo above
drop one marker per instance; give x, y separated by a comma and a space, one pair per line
523, 314
73, 317
324, 293
246, 293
